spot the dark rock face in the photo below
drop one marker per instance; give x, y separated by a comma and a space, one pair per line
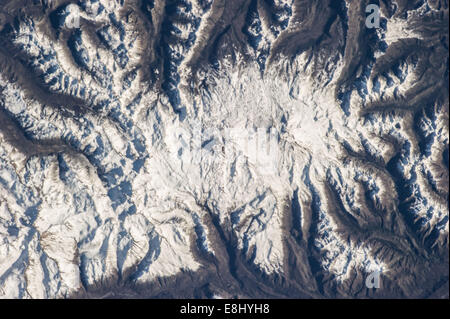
122, 168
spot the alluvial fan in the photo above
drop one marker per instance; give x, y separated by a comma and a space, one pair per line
224, 148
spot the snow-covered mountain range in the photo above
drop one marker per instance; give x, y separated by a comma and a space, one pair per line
215, 148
